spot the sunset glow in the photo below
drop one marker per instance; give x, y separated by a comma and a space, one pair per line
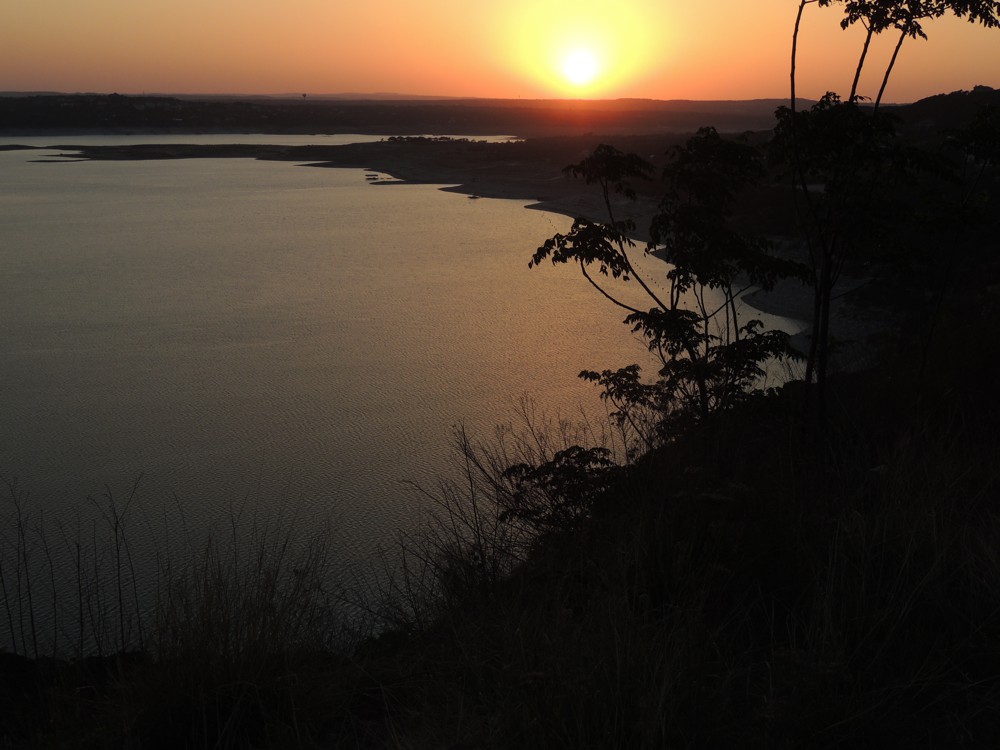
593, 52
520, 48
580, 67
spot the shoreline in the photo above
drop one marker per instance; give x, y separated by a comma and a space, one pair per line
481, 169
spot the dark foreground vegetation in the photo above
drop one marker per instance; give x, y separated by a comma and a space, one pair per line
813, 566
756, 576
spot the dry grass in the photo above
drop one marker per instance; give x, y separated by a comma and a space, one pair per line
758, 585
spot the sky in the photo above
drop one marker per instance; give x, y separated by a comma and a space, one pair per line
658, 49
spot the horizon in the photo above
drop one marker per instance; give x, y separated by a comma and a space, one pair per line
388, 96
525, 50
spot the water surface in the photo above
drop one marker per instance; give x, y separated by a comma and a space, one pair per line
230, 328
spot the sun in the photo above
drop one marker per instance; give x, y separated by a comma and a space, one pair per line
580, 67
579, 50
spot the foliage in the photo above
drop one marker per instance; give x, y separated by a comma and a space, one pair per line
978, 145
905, 16
559, 493
851, 153
747, 588
709, 359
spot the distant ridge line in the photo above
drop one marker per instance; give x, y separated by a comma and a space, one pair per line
24, 113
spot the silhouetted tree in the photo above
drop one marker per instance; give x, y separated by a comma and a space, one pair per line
709, 359
979, 143
842, 157
846, 161
905, 16
876, 17
803, 4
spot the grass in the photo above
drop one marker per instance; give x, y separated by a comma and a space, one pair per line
753, 586
848, 599
231, 644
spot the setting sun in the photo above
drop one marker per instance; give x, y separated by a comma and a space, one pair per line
580, 67
518, 48
584, 54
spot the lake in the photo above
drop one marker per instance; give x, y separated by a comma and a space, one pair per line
264, 335
231, 328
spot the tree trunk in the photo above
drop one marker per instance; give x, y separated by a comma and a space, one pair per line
795, 165
888, 70
823, 335
861, 65
814, 334
795, 47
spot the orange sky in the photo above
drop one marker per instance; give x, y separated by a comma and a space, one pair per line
663, 49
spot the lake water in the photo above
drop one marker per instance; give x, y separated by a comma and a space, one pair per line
294, 339
231, 329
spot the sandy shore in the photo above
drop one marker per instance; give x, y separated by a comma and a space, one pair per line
857, 328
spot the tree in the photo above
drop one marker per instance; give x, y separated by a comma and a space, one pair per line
843, 158
845, 162
709, 359
979, 145
905, 16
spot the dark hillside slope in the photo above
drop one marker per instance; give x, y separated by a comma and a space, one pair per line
945, 111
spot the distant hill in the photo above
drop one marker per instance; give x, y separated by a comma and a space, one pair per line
69, 113
87, 113
944, 111
379, 96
